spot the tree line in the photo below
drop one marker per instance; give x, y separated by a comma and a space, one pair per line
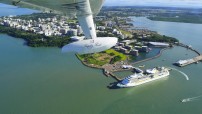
36, 40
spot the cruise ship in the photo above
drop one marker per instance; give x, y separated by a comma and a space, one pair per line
141, 78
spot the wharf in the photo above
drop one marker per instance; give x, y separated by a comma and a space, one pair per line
189, 61
182, 63
109, 69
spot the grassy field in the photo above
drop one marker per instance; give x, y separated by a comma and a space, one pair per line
115, 53
102, 58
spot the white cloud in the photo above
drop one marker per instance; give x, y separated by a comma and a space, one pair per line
182, 3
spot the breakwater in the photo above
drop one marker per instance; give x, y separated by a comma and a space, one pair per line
196, 59
189, 47
148, 59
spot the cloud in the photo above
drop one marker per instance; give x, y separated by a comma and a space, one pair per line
182, 3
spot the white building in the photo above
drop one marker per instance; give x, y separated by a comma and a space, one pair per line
80, 31
48, 33
158, 44
127, 66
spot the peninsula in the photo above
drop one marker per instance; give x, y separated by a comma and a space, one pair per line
50, 30
169, 14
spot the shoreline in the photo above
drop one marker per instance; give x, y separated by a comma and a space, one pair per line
151, 58
110, 73
175, 20
109, 69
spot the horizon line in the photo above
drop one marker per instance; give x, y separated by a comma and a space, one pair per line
193, 7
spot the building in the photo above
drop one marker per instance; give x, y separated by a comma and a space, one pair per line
129, 47
121, 44
123, 50
134, 52
127, 66
158, 44
72, 32
63, 31
142, 49
80, 31
127, 42
145, 49
102, 28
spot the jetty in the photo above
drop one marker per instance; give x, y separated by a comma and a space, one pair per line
182, 63
109, 69
189, 47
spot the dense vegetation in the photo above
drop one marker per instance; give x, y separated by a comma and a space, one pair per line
35, 16
186, 18
158, 38
36, 40
105, 34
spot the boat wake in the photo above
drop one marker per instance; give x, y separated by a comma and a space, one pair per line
190, 99
185, 75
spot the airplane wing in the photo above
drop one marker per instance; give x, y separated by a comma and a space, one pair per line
84, 10
65, 7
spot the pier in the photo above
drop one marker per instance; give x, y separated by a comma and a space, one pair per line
109, 69
183, 63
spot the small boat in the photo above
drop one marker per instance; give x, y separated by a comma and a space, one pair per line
150, 49
189, 46
141, 66
190, 99
137, 70
185, 100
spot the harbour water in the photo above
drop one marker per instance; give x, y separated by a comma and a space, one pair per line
45, 81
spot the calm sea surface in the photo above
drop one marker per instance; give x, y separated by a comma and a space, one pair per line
44, 81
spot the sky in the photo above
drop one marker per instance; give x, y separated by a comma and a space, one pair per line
164, 3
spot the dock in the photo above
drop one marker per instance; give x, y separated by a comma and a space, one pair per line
109, 69
182, 63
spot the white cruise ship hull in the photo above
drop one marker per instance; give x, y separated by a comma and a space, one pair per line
130, 84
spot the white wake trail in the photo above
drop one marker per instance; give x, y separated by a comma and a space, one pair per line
191, 99
185, 75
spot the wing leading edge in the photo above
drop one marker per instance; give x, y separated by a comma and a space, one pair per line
64, 7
